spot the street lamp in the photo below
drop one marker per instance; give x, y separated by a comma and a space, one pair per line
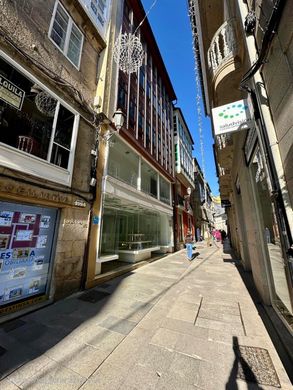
118, 119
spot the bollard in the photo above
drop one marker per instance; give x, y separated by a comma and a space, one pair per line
189, 251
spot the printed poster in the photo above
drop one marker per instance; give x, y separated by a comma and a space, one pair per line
42, 241
4, 241
27, 218
24, 235
6, 218
45, 221
25, 251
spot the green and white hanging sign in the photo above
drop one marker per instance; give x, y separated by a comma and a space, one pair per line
232, 117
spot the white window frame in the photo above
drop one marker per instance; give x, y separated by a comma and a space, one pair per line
86, 4
27, 163
68, 34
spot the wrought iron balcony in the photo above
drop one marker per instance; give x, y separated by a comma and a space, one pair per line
223, 46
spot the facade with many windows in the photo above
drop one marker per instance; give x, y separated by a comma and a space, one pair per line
183, 146
49, 54
135, 211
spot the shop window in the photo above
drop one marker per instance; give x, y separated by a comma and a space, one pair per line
26, 242
47, 126
129, 227
66, 35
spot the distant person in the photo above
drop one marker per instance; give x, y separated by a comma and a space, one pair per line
223, 236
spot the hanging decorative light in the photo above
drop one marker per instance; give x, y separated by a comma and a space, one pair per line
45, 103
128, 50
192, 15
128, 53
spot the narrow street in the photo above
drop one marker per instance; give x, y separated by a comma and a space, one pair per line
171, 324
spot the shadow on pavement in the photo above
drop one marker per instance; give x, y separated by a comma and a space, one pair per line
240, 361
68, 329
247, 278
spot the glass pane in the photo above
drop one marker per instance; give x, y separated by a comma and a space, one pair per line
34, 110
60, 156
64, 127
164, 191
58, 33
149, 179
74, 47
128, 171
272, 238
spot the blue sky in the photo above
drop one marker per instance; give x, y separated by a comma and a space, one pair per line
170, 24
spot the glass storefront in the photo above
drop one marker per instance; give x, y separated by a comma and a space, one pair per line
280, 274
129, 226
26, 240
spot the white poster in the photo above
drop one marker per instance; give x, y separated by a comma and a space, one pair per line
45, 221
6, 218
24, 235
42, 241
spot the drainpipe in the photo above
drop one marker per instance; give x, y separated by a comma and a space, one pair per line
262, 98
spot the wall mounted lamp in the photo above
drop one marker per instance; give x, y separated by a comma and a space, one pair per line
118, 119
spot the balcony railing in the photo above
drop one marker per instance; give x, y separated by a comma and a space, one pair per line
223, 46
224, 140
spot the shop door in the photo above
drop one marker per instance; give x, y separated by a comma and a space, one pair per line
26, 242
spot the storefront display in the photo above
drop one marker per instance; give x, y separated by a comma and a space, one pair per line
26, 240
274, 235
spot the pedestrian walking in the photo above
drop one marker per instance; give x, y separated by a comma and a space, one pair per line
223, 236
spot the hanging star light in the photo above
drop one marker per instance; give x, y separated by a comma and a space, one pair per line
128, 51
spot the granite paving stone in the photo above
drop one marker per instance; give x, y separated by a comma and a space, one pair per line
118, 325
28, 370
168, 325
54, 377
165, 338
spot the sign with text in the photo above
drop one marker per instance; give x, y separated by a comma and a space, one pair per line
232, 117
10, 93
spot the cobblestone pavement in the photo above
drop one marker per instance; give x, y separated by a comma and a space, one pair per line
172, 324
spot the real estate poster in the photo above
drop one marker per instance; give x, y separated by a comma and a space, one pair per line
26, 239
6, 218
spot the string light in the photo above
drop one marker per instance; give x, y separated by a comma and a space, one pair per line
192, 12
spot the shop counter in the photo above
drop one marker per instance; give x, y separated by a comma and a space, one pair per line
103, 259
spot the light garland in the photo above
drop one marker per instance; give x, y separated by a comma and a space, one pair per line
192, 12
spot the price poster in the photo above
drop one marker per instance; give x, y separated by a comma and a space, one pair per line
26, 239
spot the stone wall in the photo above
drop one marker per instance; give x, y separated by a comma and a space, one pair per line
24, 27
278, 77
70, 250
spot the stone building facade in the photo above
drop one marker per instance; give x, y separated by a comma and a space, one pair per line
244, 51
49, 53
